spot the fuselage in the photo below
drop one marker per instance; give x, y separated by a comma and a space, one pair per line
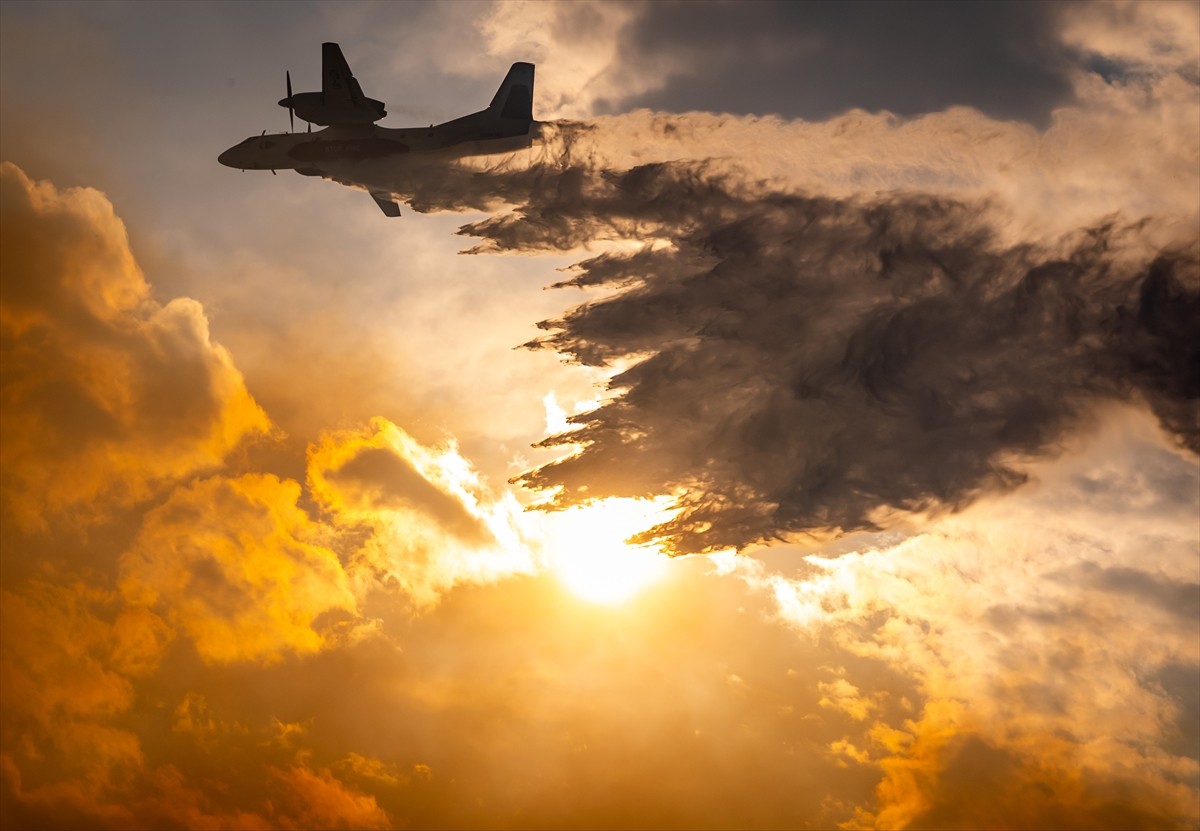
309, 153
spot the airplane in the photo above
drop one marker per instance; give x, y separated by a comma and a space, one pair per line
351, 134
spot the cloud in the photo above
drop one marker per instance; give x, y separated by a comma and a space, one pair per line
947, 775
817, 60
109, 396
1154, 38
64, 646
239, 567
1048, 647
430, 521
85, 743
840, 694
814, 61
317, 799
65, 633
576, 47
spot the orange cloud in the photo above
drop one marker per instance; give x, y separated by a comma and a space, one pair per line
59, 644
109, 396
433, 522
950, 773
317, 799
62, 694
239, 567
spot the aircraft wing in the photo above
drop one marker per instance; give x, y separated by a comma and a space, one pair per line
385, 202
338, 84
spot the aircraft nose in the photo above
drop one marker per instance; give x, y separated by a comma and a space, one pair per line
227, 158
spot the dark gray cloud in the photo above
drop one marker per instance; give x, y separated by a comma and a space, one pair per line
816, 59
805, 364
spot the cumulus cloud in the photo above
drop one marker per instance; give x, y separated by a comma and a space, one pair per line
109, 397
238, 566
119, 416
430, 521
68, 660
318, 799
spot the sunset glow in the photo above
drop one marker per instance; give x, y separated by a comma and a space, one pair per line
589, 554
802, 432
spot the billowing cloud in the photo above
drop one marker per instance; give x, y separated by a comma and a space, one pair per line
238, 566
430, 520
108, 395
70, 654
317, 799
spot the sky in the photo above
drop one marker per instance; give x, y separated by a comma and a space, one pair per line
804, 433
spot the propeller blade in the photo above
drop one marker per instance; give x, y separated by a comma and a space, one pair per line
291, 110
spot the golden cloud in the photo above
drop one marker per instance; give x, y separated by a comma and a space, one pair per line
318, 799
432, 521
238, 566
108, 396
62, 696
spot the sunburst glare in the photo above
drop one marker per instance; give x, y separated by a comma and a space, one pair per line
588, 552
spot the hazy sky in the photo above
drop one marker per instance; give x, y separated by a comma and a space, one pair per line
881, 316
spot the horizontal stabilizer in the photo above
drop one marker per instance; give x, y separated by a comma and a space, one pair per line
385, 202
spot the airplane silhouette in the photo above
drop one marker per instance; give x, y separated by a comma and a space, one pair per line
351, 134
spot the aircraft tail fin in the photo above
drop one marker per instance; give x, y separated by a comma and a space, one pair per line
514, 99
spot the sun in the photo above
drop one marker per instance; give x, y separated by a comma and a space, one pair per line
589, 555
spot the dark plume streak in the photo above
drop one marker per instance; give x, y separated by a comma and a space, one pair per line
812, 365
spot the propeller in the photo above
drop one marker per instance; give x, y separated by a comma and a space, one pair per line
291, 110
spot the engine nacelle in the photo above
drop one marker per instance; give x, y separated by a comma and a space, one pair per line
310, 107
